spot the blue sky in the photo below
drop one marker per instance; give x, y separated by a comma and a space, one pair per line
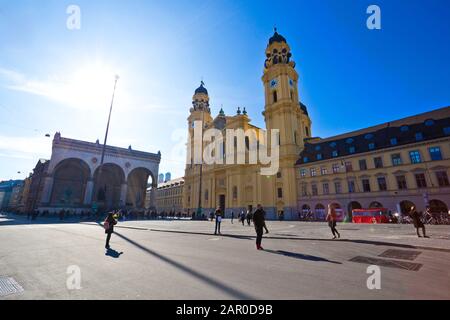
56, 79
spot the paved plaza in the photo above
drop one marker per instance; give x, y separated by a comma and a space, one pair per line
184, 260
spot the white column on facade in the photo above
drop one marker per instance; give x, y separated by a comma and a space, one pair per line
47, 190
123, 194
88, 193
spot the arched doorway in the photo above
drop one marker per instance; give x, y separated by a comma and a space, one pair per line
405, 206
138, 181
352, 206
320, 212
438, 206
69, 183
108, 180
375, 204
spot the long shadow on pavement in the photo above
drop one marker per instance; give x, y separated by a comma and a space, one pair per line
301, 256
233, 292
359, 241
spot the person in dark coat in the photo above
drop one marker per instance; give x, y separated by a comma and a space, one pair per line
218, 215
111, 222
259, 222
415, 216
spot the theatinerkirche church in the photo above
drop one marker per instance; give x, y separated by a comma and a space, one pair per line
236, 187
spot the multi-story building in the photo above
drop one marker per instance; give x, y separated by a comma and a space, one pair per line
394, 165
235, 186
169, 196
7, 194
32, 200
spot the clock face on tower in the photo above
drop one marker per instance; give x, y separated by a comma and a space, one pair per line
273, 83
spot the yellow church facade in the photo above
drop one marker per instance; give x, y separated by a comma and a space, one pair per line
235, 186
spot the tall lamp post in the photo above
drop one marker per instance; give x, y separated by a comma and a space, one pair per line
106, 133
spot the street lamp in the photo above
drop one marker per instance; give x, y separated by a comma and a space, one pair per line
107, 130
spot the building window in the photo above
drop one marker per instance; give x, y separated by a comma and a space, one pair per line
351, 150
333, 144
275, 97
401, 182
235, 192
393, 141
338, 187
304, 190
319, 156
206, 195
349, 140
415, 156
351, 186
280, 193
368, 136
371, 146
421, 181
378, 162
305, 159
429, 122
404, 129
362, 165
396, 159
442, 179
348, 166
302, 173
315, 192
323, 171
326, 188
419, 136
307, 131
279, 174
313, 172
335, 167
366, 185
382, 186
435, 153
317, 148
447, 131
334, 153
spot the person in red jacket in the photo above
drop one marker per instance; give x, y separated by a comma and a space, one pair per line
331, 218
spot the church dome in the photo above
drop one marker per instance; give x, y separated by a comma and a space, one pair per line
276, 38
303, 108
201, 89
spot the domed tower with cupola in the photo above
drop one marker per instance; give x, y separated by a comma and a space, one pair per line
200, 113
284, 111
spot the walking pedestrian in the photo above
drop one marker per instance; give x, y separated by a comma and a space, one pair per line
109, 224
242, 217
218, 215
259, 223
415, 216
249, 216
232, 216
331, 218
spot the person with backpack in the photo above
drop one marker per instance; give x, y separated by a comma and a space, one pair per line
331, 219
218, 215
259, 223
109, 224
